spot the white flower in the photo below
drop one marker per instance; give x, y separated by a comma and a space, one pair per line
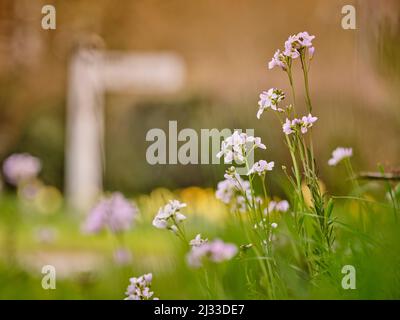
291, 48
256, 141
339, 154
169, 215
307, 122
294, 44
230, 191
261, 167
270, 99
197, 241
278, 60
160, 223
302, 124
304, 39
179, 217
139, 288
274, 225
287, 127
237, 146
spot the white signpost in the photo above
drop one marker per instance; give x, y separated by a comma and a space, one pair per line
92, 73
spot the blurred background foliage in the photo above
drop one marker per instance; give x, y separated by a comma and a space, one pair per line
226, 46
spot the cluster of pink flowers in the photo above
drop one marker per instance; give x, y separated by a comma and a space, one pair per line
261, 167
114, 213
228, 188
21, 167
169, 216
236, 147
294, 46
216, 251
140, 288
270, 99
302, 125
231, 191
197, 241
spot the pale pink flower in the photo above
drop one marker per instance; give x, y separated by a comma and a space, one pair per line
140, 288
270, 99
304, 39
229, 191
237, 146
114, 213
197, 241
287, 127
302, 124
339, 154
261, 167
307, 122
291, 48
278, 60
216, 251
21, 167
280, 206
169, 215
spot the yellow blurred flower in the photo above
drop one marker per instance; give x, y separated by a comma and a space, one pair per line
307, 193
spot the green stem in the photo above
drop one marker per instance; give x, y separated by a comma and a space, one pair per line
306, 85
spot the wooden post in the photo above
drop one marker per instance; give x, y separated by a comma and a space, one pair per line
92, 72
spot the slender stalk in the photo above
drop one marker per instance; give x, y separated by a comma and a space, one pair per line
306, 84
290, 76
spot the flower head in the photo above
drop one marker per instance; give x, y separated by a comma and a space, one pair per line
231, 190
169, 215
197, 241
280, 206
294, 44
339, 154
304, 39
216, 251
270, 99
278, 60
307, 122
302, 125
21, 167
287, 127
139, 288
291, 49
261, 167
237, 147
115, 213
